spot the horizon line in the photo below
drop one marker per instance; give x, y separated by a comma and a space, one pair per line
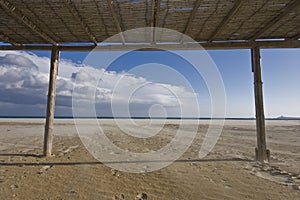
168, 118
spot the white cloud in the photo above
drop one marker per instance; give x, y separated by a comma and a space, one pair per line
24, 81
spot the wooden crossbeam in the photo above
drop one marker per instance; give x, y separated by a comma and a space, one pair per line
115, 18
71, 7
295, 37
195, 46
192, 15
226, 19
294, 4
6, 38
18, 15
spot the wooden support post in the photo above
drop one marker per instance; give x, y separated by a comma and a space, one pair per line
262, 154
48, 136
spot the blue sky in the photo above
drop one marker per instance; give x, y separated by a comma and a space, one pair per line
281, 71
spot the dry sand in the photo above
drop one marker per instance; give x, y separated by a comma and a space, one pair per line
228, 172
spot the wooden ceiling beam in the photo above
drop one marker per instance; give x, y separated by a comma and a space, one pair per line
294, 4
6, 38
152, 13
71, 7
18, 15
192, 15
155, 8
226, 19
115, 18
42, 24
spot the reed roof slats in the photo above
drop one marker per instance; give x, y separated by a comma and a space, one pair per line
91, 21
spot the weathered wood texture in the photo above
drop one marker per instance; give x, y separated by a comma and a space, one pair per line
114, 15
72, 8
48, 136
262, 154
51, 21
17, 15
207, 46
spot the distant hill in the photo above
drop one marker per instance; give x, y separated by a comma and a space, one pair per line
286, 118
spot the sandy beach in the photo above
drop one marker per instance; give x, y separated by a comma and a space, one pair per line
228, 172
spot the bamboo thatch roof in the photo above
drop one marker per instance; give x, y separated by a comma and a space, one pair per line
73, 21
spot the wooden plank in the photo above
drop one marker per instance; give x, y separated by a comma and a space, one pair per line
116, 20
14, 12
293, 5
207, 46
226, 19
48, 135
77, 16
262, 154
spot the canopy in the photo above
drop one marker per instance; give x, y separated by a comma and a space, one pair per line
63, 22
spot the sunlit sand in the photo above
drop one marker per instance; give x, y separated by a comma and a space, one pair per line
228, 172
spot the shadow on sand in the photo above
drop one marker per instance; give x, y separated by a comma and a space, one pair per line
113, 162
22, 155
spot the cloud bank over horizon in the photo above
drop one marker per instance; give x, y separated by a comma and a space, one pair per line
24, 85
